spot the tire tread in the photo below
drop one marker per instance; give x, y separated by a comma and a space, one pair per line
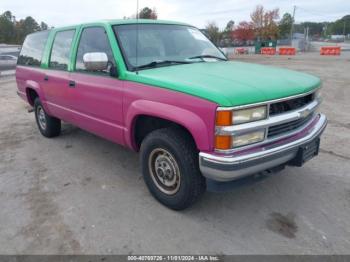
189, 155
53, 124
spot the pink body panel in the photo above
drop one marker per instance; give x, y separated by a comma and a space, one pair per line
27, 77
195, 114
109, 107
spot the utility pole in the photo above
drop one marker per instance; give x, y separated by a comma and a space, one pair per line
292, 27
325, 30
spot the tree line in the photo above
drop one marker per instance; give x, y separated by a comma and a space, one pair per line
13, 31
263, 25
267, 25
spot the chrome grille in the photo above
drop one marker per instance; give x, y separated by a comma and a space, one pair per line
289, 105
288, 127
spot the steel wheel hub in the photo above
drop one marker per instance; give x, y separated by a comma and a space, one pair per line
164, 171
41, 117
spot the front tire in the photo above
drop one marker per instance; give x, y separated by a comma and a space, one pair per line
48, 126
169, 161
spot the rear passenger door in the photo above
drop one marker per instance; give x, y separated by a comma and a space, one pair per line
97, 95
56, 83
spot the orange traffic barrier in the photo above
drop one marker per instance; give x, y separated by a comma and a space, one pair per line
330, 50
268, 51
241, 50
287, 51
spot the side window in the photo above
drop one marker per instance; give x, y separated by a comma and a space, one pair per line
60, 50
94, 39
33, 49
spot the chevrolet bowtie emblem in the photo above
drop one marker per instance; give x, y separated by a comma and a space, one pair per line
305, 113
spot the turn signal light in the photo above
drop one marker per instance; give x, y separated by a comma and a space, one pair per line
224, 118
223, 142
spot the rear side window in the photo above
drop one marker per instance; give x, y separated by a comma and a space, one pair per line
61, 49
33, 49
93, 39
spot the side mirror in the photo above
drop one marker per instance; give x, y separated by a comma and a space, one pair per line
95, 61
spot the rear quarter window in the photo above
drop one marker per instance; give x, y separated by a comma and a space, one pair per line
33, 49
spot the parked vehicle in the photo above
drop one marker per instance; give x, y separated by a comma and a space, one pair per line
7, 62
162, 88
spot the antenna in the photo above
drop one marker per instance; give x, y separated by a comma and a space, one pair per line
137, 35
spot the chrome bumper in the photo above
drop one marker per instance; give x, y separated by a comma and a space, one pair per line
231, 167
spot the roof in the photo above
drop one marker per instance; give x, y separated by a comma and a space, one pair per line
124, 22
143, 21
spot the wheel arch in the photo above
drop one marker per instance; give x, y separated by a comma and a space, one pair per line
167, 115
32, 91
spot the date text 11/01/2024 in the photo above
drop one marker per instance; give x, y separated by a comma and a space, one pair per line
174, 258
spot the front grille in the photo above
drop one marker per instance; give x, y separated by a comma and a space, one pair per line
289, 105
287, 127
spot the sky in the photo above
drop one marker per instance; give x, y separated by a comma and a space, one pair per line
195, 12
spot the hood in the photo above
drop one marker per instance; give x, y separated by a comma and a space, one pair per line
228, 83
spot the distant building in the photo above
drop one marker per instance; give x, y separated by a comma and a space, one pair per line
338, 37
298, 36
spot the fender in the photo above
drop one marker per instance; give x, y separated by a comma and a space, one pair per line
189, 120
30, 84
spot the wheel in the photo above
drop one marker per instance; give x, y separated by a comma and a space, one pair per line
48, 126
169, 161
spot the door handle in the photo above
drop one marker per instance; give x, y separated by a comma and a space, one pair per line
46, 78
71, 83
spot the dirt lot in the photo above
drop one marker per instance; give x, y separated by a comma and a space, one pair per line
81, 194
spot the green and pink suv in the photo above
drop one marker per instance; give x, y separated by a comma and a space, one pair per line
162, 88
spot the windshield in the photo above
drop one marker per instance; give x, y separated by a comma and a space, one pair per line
160, 44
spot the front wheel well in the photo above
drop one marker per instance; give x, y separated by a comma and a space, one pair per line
31, 95
145, 124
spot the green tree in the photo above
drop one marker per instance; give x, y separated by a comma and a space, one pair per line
148, 13
229, 26
213, 32
24, 27
43, 26
340, 26
315, 29
228, 32
285, 25
7, 28
14, 32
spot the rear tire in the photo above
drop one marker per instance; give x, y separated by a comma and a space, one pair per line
48, 126
169, 161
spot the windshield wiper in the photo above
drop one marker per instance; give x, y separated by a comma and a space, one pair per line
208, 56
160, 63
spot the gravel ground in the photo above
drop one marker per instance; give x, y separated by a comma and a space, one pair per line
80, 194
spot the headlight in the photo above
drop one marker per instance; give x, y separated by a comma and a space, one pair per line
248, 138
240, 116
235, 117
248, 115
224, 142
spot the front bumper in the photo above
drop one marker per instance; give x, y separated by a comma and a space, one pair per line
230, 167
